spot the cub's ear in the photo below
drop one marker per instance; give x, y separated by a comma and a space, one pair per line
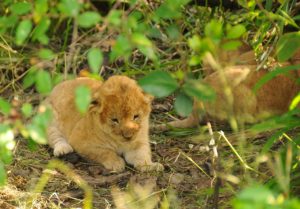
148, 97
95, 104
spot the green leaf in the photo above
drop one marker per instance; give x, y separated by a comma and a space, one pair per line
37, 134
183, 104
4, 106
69, 7
231, 45
199, 90
88, 19
21, 8
40, 30
43, 82
29, 78
46, 54
170, 9
144, 45
40, 9
141, 40
287, 45
26, 109
122, 48
43, 39
195, 42
82, 98
22, 31
7, 143
254, 197
195, 60
295, 102
214, 30
173, 32
236, 31
3, 176
114, 17
95, 59
42, 119
158, 83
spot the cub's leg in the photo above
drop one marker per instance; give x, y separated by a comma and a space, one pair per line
106, 157
140, 158
87, 145
57, 141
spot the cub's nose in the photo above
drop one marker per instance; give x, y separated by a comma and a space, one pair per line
129, 131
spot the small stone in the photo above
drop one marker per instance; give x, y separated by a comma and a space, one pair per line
176, 178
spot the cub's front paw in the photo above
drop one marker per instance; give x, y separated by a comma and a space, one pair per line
150, 167
62, 149
117, 164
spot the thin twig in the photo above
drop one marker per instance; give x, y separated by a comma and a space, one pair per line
198, 166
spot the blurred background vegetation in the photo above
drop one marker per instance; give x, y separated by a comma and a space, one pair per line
161, 44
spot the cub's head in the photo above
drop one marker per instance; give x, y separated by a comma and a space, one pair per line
123, 108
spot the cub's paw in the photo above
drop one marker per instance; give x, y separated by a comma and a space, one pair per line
116, 164
150, 167
62, 149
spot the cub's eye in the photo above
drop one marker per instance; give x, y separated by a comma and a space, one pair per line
94, 102
136, 117
115, 120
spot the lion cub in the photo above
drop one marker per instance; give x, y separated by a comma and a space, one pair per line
116, 123
247, 106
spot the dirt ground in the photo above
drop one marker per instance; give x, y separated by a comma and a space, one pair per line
186, 182
180, 175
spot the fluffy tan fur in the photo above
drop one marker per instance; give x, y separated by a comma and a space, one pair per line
244, 104
115, 125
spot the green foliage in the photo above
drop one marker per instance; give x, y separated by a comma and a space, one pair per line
170, 9
46, 54
43, 82
95, 59
263, 198
287, 45
235, 32
158, 83
88, 19
82, 98
198, 90
40, 30
7, 144
183, 104
122, 48
26, 109
4, 106
69, 7
2, 175
22, 31
269, 76
37, 129
21, 8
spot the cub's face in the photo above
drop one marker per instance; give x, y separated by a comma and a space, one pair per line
124, 108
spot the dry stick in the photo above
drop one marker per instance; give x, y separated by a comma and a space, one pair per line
235, 152
44, 179
215, 167
72, 48
198, 166
15, 80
